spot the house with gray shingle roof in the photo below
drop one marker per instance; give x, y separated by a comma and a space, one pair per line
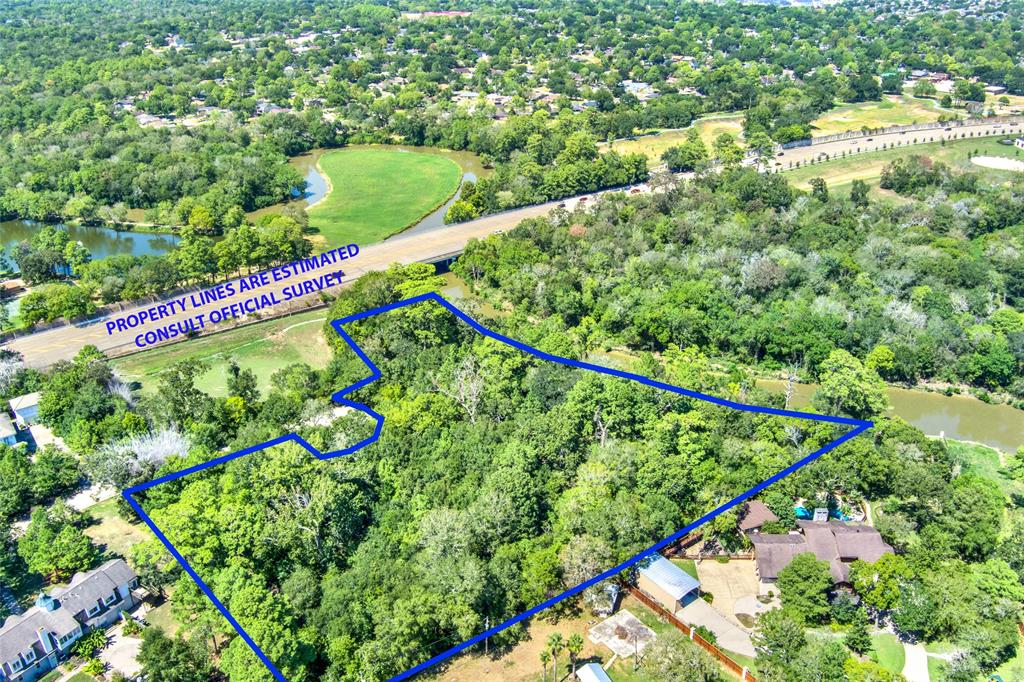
34, 643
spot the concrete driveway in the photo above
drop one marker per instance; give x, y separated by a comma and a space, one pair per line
730, 636
728, 582
122, 653
915, 666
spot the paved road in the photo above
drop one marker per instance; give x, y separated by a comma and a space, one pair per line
62, 343
877, 142
45, 348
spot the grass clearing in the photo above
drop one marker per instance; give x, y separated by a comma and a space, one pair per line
887, 651
162, 618
841, 172
985, 462
893, 110
655, 144
264, 348
374, 193
110, 532
688, 565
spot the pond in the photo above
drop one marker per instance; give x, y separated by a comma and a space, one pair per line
956, 417
101, 241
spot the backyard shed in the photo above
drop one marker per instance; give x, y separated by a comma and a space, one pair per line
666, 582
592, 672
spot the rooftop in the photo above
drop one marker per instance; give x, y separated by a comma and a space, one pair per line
25, 401
669, 577
836, 542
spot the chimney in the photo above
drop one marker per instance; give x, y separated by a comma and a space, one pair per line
44, 639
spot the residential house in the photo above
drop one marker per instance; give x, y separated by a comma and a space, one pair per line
26, 409
754, 515
668, 584
995, 90
836, 542
34, 643
642, 91
8, 434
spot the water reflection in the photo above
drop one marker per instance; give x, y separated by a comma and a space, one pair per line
100, 241
957, 417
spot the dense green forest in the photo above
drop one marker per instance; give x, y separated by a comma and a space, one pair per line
741, 265
189, 111
498, 481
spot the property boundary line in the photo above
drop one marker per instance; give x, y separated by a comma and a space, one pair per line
339, 397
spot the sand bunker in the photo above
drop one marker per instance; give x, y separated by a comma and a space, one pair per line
999, 162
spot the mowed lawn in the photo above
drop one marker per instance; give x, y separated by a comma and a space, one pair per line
894, 110
887, 650
264, 348
374, 193
868, 166
111, 532
985, 462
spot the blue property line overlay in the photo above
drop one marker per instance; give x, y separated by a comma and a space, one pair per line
860, 426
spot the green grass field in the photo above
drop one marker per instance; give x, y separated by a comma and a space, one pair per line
688, 565
264, 348
840, 173
112, 533
374, 193
887, 650
984, 461
654, 145
894, 110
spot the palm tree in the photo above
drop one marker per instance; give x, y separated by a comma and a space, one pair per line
545, 656
574, 646
555, 643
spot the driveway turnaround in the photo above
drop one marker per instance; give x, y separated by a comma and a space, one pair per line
729, 635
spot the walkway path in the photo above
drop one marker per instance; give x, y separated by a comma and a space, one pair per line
915, 669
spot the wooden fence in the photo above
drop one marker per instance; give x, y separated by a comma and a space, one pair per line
729, 664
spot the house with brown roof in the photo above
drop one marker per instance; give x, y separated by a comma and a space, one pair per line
754, 515
835, 542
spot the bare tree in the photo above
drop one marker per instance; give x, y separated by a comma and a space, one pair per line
465, 388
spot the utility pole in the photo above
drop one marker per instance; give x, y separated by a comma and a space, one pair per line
487, 626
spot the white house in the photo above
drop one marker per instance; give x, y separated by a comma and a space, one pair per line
26, 409
34, 643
